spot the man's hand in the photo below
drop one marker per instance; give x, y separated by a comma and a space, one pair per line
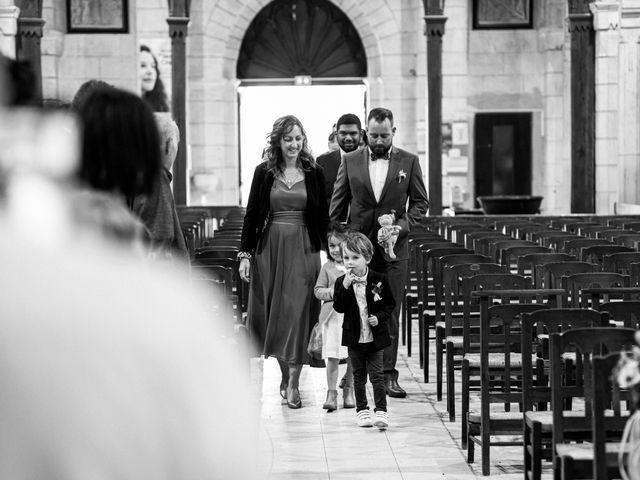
373, 320
244, 269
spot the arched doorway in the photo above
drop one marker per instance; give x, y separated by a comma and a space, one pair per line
300, 57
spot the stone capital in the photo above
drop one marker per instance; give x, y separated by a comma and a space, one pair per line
178, 26
434, 25
606, 15
9, 19
630, 14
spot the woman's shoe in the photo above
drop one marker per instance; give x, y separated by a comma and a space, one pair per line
348, 398
331, 403
283, 388
293, 398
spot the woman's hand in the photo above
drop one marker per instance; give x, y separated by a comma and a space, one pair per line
244, 269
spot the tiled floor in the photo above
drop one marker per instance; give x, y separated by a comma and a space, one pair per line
421, 443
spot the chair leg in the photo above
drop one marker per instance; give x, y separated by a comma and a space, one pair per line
409, 330
424, 347
527, 456
451, 395
486, 446
471, 451
439, 354
403, 320
464, 409
536, 451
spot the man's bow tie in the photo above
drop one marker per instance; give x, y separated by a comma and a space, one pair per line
375, 157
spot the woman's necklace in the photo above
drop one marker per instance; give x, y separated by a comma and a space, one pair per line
290, 177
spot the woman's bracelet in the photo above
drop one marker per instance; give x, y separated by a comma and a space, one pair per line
242, 255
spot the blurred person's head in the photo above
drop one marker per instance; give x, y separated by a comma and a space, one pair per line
349, 132
86, 89
120, 143
332, 143
169, 138
287, 139
151, 85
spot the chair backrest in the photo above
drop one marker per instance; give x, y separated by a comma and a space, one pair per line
452, 297
496, 247
591, 231
610, 234
595, 253
619, 262
627, 239
626, 312
479, 241
510, 255
535, 328
576, 283
573, 246
427, 266
549, 275
526, 263
570, 381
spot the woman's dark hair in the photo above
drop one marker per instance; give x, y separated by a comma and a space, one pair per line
156, 98
272, 154
120, 143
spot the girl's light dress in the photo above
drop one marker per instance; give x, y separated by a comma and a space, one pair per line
330, 320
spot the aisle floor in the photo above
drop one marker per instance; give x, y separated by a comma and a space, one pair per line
421, 443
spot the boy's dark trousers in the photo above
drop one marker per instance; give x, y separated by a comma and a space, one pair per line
366, 359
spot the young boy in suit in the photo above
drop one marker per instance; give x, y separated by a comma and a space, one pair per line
365, 298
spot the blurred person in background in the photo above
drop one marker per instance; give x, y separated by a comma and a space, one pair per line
102, 377
157, 210
151, 85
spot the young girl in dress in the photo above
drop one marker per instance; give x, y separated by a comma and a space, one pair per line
331, 321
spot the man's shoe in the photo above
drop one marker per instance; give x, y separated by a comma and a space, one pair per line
348, 398
364, 418
331, 403
382, 420
394, 390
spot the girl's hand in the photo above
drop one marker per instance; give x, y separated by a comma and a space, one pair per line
244, 269
373, 320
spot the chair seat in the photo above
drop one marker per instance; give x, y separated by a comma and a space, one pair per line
440, 324
474, 417
584, 451
496, 360
545, 417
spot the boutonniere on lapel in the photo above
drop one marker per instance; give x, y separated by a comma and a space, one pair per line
377, 290
401, 176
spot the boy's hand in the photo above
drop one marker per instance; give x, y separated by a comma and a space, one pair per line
348, 279
373, 320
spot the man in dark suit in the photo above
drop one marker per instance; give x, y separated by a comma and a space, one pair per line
349, 135
374, 181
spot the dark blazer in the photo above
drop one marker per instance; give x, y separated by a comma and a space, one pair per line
316, 214
353, 193
330, 162
344, 301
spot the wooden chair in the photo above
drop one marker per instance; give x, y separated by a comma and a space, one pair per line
595, 253
625, 313
470, 323
510, 255
611, 234
627, 239
536, 390
499, 366
479, 241
496, 247
574, 246
549, 275
592, 231
570, 459
438, 288
619, 262
450, 331
526, 263
575, 284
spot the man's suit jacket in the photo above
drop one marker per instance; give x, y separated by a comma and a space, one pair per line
403, 191
330, 162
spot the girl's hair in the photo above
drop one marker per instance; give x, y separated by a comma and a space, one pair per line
357, 242
272, 154
156, 98
120, 143
338, 230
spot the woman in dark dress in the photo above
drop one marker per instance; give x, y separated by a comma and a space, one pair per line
284, 228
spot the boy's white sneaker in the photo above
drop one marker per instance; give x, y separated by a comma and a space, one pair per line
382, 420
364, 418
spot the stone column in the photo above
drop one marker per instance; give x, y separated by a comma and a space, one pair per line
582, 107
628, 103
606, 16
178, 28
8, 28
434, 30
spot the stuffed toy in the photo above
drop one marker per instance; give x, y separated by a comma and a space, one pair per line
388, 233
